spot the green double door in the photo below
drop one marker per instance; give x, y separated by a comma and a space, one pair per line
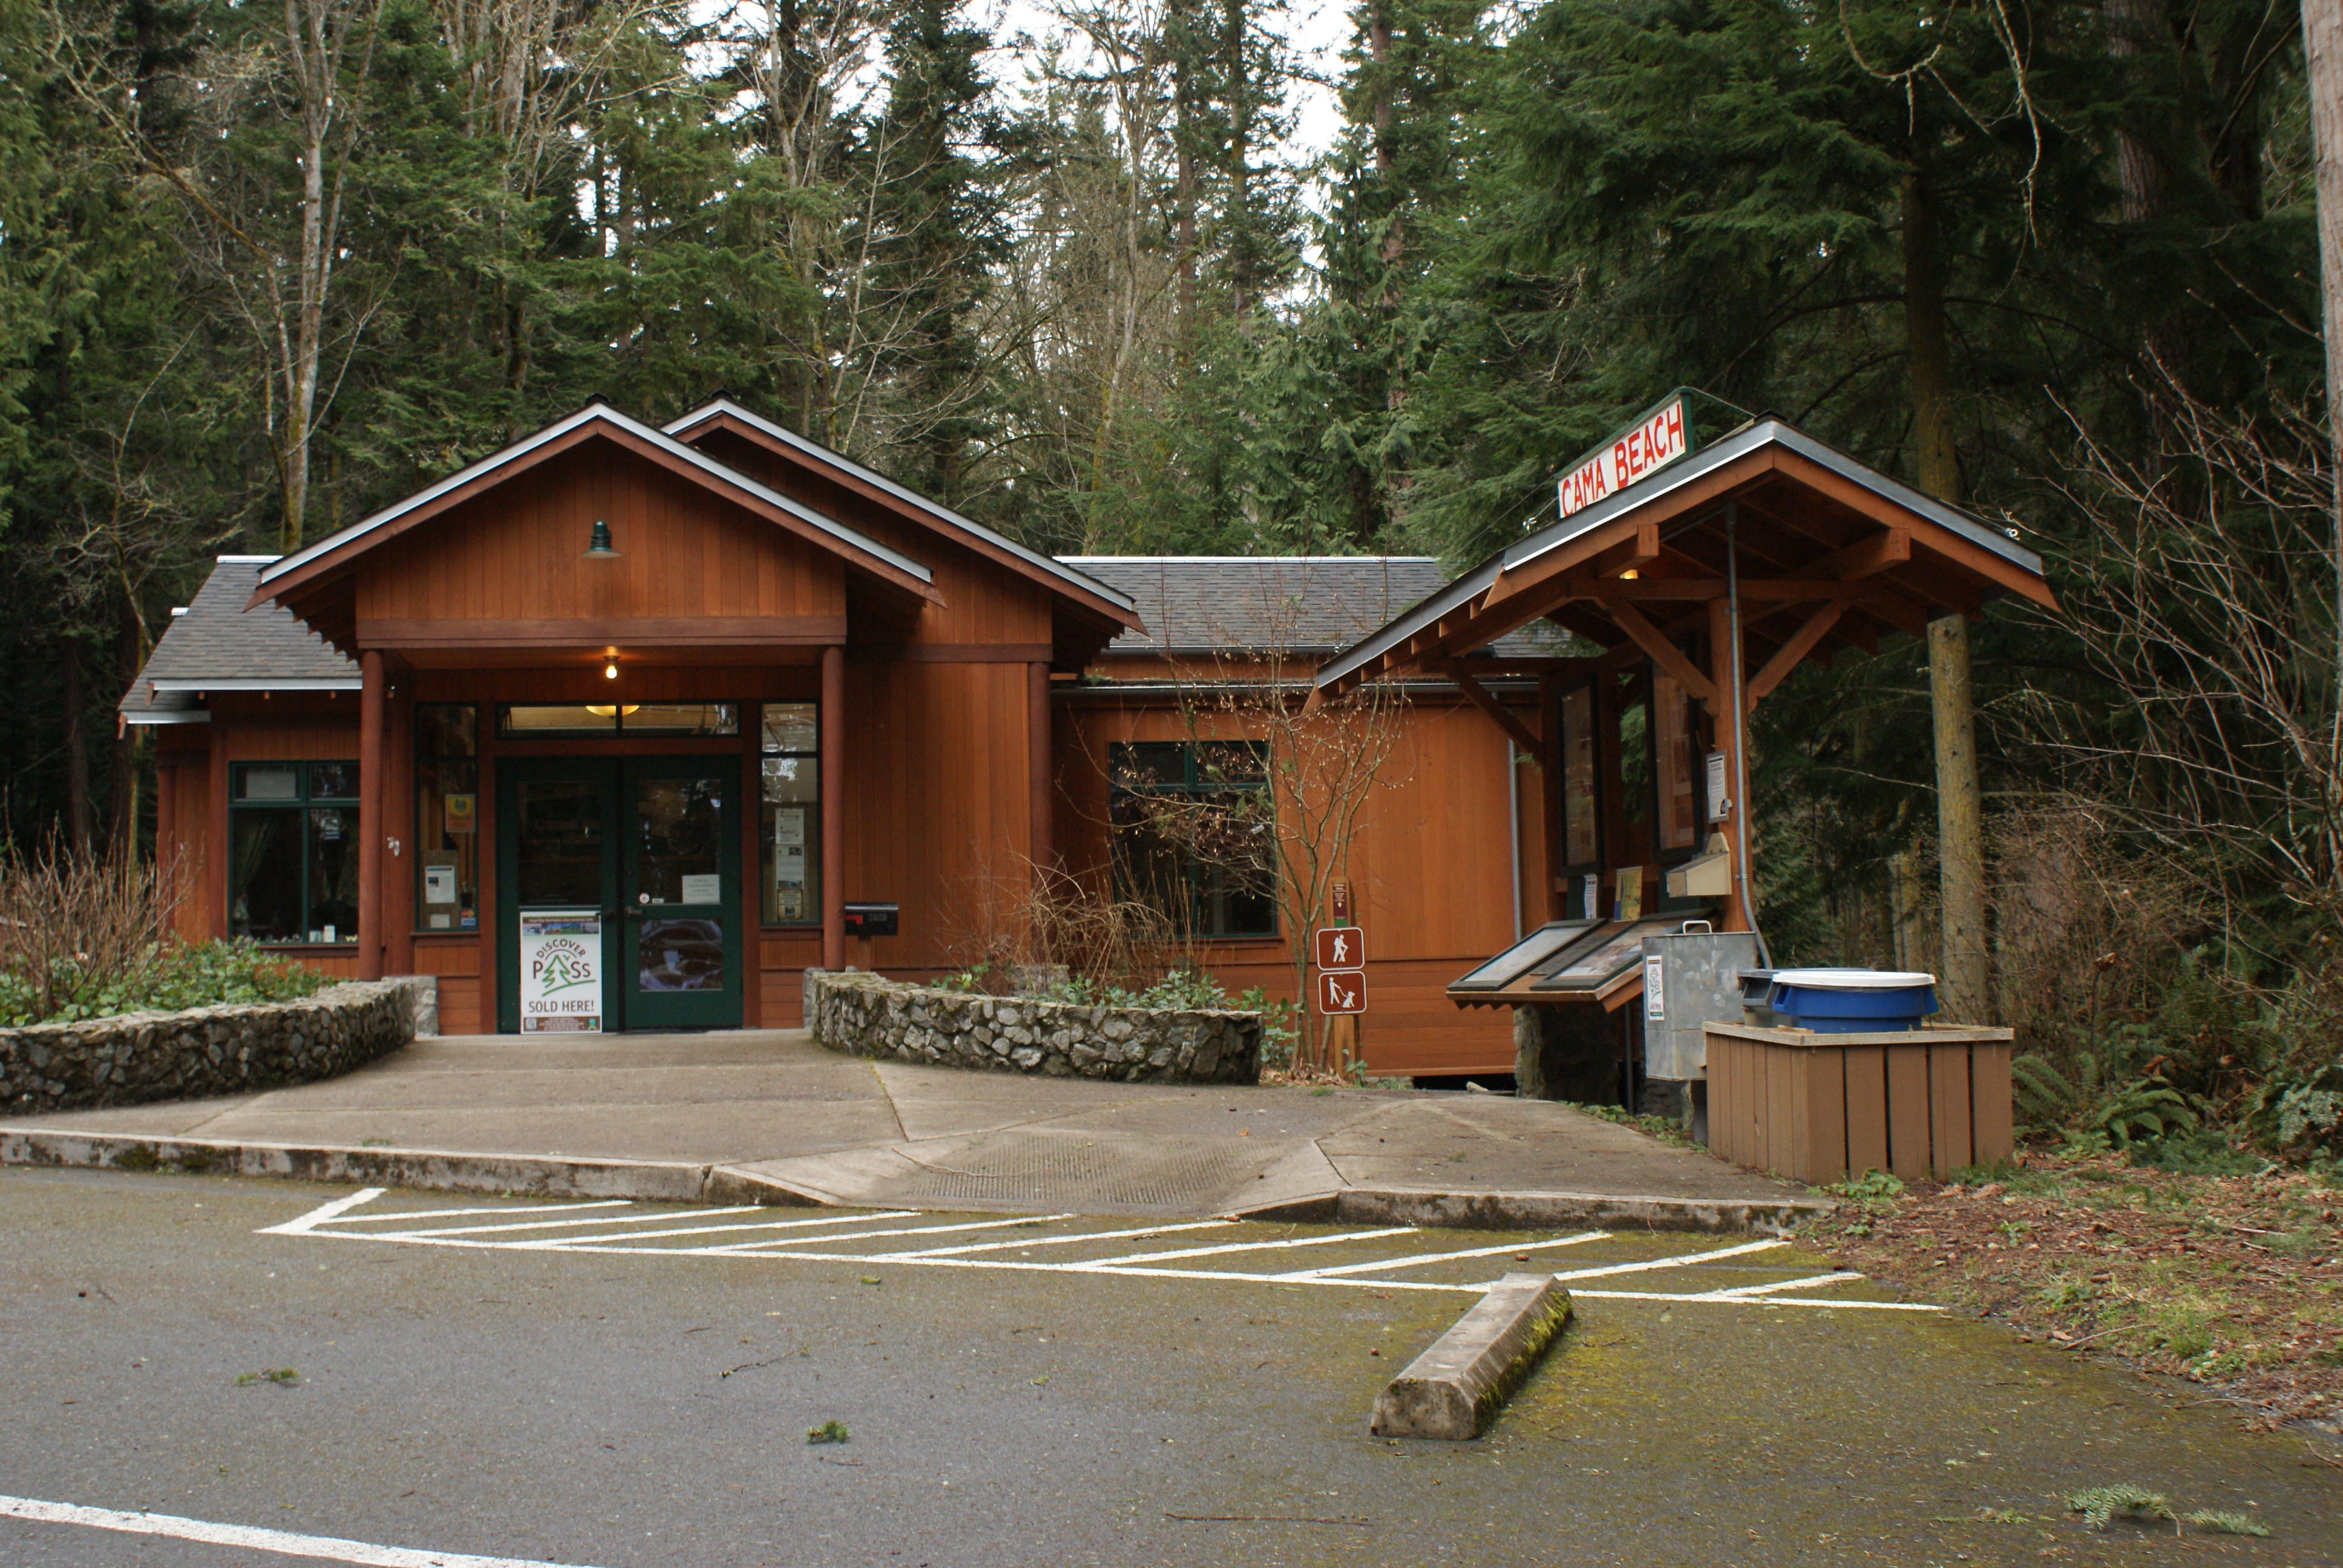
618, 893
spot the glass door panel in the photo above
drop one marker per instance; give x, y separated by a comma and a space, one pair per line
682, 892
557, 896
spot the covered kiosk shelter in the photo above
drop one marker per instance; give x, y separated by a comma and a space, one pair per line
1696, 576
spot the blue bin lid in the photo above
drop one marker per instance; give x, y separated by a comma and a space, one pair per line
1853, 980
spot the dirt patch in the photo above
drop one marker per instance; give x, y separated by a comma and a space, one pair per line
2233, 1282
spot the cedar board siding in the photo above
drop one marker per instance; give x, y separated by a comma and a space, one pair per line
1431, 864
516, 556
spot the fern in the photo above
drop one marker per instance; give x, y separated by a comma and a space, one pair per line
2102, 1503
2045, 1096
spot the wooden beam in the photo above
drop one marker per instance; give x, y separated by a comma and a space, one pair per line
1786, 658
1664, 653
1507, 720
1637, 551
1863, 558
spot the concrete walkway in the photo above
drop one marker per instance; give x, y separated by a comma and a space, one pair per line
766, 1115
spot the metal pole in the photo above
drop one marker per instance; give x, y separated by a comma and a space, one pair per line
1739, 697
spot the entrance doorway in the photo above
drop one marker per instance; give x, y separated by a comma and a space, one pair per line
618, 893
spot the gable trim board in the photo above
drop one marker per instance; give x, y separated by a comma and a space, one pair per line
723, 413
595, 420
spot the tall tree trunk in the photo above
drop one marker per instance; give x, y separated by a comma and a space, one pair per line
1184, 62
122, 772
1236, 28
81, 815
2322, 47
1379, 115
1960, 826
2143, 181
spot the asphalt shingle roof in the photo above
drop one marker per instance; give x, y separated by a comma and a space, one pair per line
1296, 604
218, 641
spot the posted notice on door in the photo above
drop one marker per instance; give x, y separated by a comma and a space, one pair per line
561, 971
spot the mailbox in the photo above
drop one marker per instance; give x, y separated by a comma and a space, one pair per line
872, 920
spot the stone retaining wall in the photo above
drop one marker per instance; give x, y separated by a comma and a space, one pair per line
868, 1015
229, 1049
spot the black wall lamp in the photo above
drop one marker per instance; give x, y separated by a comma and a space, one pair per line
598, 545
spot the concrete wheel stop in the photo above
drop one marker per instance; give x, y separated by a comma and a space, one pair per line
1455, 1388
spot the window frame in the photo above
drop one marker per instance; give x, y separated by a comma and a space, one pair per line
420, 911
302, 806
758, 752
1195, 868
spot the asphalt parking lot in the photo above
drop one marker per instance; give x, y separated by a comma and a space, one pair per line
623, 1385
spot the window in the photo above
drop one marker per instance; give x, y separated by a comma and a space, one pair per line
527, 721
1192, 833
293, 852
447, 818
790, 820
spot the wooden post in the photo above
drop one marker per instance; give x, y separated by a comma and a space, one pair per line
752, 876
371, 826
398, 797
1037, 769
1551, 760
1735, 826
215, 913
833, 808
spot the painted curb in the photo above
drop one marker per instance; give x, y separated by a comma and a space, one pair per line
1541, 1210
1456, 1387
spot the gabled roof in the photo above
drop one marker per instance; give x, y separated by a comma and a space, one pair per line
724, 412
1306, 605
1767, 465
219, 644
596, 419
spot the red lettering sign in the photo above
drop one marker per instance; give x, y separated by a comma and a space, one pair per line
1652, 445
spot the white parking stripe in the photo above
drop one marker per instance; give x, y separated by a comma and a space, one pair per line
754, 1248
1063, 1241
1807, 1284
1410, 1263
1712, 1300
1252, 1246
563, 1224
325, 1211
252, 1538
459, 1214
554, 1244
1677, 1261
825, 1248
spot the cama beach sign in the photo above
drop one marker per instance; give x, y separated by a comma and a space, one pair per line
1657, 437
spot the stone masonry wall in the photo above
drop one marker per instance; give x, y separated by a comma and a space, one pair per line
868, 1015
229, 1049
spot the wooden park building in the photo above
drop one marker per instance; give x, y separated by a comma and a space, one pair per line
698, 706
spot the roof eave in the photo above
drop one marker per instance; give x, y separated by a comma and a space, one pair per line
1124, 608
325, 548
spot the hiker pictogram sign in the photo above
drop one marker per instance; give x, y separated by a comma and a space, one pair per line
1341, 948
1342, 991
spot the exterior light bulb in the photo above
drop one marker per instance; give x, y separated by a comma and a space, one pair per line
610, 672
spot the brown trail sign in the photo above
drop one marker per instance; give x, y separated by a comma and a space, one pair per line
1341, 947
